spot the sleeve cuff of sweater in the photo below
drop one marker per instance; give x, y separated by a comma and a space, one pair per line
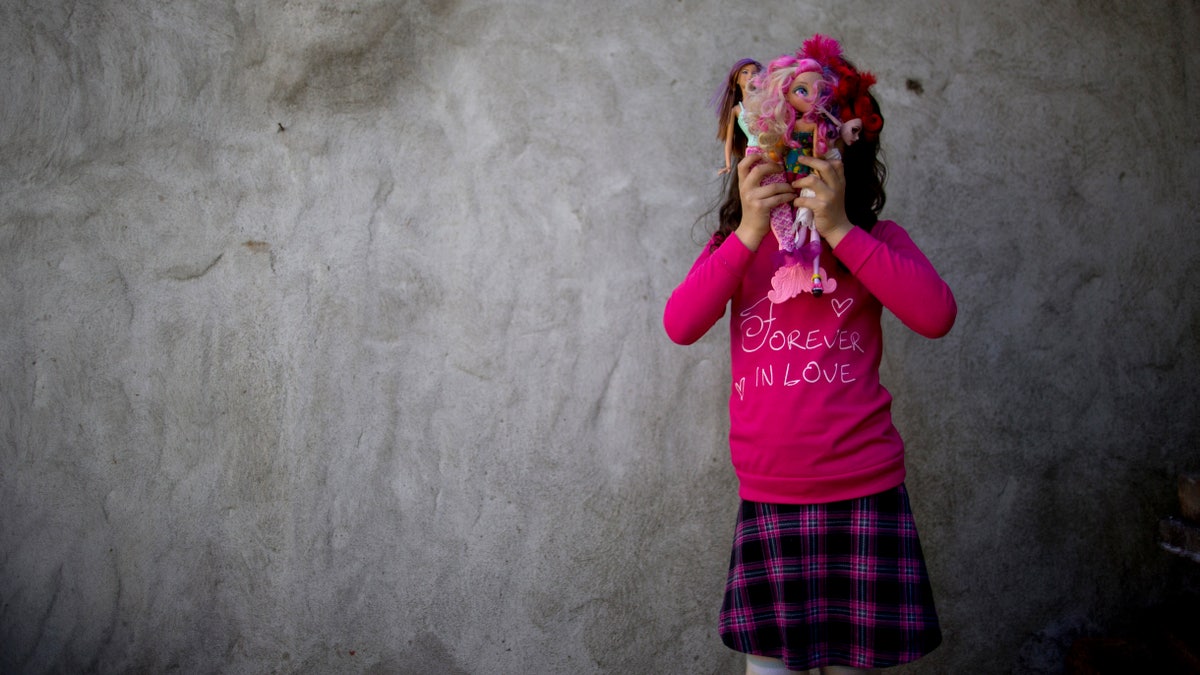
856, 248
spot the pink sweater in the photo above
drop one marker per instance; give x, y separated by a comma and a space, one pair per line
809, 421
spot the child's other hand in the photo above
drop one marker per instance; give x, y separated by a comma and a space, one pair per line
828, 184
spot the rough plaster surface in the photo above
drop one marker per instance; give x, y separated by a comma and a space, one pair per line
331, 330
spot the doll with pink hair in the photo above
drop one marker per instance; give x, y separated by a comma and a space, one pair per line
806, 104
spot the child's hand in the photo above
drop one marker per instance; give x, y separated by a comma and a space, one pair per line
828, 183
759, 199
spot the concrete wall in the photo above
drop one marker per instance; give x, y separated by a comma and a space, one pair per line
331, 331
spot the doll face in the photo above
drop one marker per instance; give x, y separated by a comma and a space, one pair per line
852, 131
746, 74
803, 91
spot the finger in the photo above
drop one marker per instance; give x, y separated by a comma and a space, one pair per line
753, 159
817, 192
815, 166
826, 166
763, 169
811, 162
746, 164
764, 204
769, 202
812, 203
811, 181
770, 189
836, 174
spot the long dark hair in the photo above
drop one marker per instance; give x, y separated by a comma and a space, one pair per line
865, 196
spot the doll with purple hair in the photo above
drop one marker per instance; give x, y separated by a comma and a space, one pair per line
731, 125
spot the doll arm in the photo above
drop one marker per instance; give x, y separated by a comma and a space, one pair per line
897, 273
700, 300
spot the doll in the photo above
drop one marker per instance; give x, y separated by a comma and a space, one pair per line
731, 128
806, 104
856, 116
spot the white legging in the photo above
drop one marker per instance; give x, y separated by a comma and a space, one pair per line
762, 665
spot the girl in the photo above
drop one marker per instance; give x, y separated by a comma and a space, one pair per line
731, 128
826, 572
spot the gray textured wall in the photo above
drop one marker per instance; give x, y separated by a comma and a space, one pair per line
331, 331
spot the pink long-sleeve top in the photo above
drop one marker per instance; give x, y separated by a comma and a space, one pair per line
809, 421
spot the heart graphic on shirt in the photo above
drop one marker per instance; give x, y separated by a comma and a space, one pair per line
740, 385
840, 306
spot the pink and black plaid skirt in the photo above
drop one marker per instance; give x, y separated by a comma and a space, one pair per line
830, 584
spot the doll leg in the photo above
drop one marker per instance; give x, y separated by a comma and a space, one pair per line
762, 665
804, 215
817, 287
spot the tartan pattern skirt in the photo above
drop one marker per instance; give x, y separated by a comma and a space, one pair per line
842, 583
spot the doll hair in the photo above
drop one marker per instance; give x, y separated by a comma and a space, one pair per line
851, 96
773, 119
